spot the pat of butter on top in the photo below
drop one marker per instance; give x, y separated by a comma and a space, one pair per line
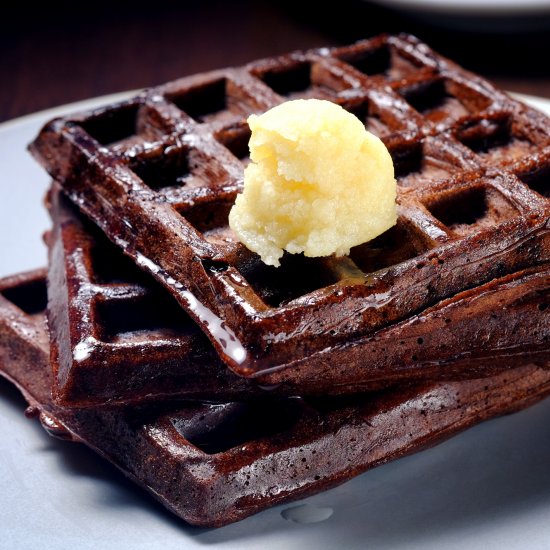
319, 183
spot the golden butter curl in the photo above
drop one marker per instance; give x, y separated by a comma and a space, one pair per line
319, 183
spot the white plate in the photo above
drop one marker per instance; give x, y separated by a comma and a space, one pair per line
493, 8
488, 488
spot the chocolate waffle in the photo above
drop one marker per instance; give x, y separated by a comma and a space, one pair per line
116, 336
159, 173
214, 464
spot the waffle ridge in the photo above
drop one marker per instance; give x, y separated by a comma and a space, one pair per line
472, 167
253, 459
117, 337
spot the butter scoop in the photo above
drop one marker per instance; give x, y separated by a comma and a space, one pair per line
319, 183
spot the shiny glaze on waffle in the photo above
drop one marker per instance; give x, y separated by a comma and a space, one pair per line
213, 464
159, 173
118, 337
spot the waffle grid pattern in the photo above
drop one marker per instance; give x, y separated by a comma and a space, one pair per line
116, 335
472, 166
215, 464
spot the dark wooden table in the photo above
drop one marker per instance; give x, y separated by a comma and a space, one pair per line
65, 51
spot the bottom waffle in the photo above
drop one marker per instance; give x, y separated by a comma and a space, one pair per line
214, 464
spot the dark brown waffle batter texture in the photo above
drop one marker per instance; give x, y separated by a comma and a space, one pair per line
212, 464
159, 173
118, 337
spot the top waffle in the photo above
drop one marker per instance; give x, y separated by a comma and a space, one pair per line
159, 174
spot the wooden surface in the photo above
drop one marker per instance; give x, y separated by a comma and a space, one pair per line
61, 53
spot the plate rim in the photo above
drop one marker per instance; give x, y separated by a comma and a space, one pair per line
66, 108
487, 8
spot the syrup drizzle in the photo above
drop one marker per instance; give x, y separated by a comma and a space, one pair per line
220, 334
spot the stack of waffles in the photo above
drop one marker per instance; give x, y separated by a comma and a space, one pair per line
223, 385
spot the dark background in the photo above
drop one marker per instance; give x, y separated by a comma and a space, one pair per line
67, 51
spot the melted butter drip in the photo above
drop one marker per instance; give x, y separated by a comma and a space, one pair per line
217, 329
307, 513
53, 427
